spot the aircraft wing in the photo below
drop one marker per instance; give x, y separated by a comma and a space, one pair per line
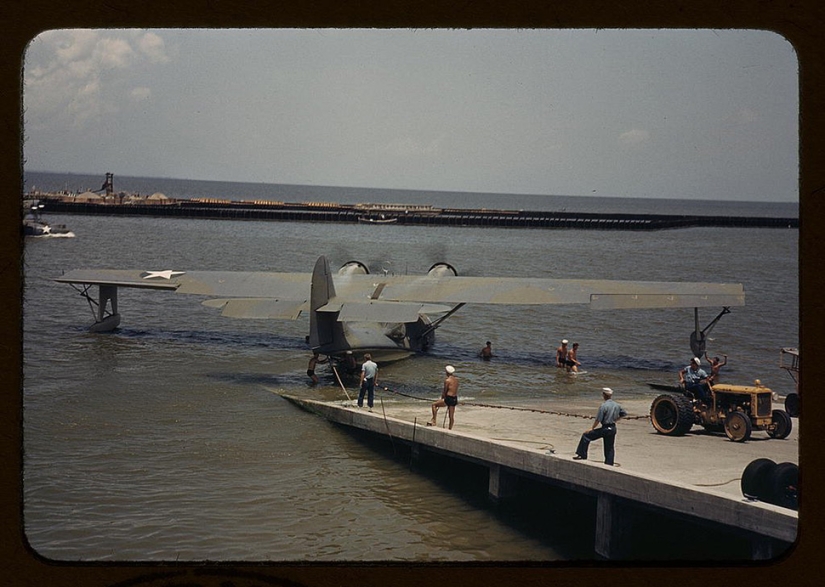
247, 294
598, 294
236, 284
399, 297
259, 308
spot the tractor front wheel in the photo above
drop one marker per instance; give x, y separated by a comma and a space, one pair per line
738, 427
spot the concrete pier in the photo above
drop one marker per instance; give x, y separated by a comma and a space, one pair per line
693, 478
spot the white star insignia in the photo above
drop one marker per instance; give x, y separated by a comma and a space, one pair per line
167, 274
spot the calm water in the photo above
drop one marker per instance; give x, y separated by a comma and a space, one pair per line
165, 440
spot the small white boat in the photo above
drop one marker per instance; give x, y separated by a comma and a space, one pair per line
381, 219
33, 225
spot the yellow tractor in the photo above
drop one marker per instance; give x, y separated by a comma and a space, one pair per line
737, 410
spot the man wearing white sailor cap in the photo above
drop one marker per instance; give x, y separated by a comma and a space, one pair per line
449, 396
603, 427
695, 380
561, 354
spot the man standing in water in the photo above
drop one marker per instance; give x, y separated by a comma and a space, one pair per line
369, 374
561, 355
315, 360
486, 352
449, 397
609, 413
573, 358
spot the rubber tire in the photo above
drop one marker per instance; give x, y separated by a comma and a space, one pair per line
792, 404
738, 427
783, 485
754, 481
783, 422
672, 415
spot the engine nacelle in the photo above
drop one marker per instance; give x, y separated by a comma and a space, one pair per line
353, 268
442, 270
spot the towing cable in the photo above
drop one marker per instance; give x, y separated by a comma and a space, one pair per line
516, 408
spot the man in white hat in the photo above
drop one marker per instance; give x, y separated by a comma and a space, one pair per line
561, 355
350, 364
609, 413
449, 396
695, 380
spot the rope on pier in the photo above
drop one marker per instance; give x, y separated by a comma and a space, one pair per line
716, 484
516, 408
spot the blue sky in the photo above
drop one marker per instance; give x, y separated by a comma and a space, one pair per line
703, 114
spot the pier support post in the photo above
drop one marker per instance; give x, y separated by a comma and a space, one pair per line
614, 527
501, 483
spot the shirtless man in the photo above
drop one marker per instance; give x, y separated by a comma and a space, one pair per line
449, 397
315, 360
486, 352
715, 365
350, 366
572, 358
561, 355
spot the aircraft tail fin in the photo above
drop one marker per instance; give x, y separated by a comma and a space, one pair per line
322, 325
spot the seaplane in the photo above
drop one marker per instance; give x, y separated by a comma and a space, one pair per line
390, 316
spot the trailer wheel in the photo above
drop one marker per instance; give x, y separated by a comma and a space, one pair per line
792, 404
755, 477
781, 425
671, 415
738, 427
783, 484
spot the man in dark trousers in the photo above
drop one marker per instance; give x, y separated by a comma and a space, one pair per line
369, 377
694, 379
609, 413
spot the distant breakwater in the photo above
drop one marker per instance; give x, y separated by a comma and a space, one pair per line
397, 214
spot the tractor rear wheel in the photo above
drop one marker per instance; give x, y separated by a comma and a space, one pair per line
781, 424
671, 415
738, 426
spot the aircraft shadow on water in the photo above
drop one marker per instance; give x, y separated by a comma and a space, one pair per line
390, 316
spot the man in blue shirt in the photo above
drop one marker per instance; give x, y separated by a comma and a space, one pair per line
694, 379
369, 374
609, 413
